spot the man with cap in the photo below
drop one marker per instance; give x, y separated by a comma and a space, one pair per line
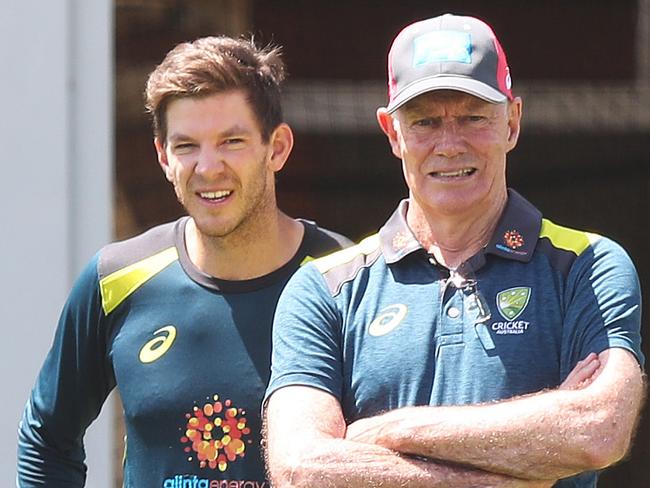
471, 342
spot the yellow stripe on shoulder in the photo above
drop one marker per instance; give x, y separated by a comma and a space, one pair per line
117, 286
568, 239
365, 247
306, 259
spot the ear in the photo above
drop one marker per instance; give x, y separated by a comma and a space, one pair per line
281, 144
387, 123
162, 158
514, 122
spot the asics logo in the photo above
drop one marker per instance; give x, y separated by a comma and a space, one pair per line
389, 318
158, 346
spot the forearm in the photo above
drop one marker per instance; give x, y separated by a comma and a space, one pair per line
42, 465
498, 443
550, 435
336, 463
305, 447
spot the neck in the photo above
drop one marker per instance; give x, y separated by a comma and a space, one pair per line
454, 238
245, 253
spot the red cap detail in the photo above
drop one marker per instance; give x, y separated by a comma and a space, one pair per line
503, 72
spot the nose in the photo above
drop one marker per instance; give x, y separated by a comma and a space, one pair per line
210, 163
448, 140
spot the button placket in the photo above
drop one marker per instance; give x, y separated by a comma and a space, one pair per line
451, 318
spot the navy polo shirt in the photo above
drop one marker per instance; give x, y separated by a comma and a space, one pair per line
381, 325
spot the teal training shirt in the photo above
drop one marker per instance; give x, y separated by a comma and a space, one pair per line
189, 354
381, 325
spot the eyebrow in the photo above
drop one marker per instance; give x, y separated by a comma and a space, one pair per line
231, 131
235, 130
420, 107
414, 110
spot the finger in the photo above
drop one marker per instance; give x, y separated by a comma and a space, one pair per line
586, 373
581, 373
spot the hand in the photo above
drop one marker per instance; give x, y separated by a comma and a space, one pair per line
364, 430
583, 374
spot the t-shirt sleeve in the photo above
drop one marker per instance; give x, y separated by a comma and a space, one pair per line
69, 392
603, 300
306, 336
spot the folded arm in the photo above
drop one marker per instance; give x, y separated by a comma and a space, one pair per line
549, 435
306, 447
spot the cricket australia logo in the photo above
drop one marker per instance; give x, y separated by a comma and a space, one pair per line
511, 303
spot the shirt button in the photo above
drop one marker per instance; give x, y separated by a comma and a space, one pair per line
453, 312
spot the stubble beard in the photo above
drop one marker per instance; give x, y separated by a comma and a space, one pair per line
256, 207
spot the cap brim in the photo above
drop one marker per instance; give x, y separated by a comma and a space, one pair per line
458, 83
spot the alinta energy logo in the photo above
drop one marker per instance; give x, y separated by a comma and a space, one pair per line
513, 239
216, 434
512, 242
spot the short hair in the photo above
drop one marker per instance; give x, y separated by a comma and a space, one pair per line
212, 65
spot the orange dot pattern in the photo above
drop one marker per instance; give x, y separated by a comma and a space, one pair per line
513, 239
216, 433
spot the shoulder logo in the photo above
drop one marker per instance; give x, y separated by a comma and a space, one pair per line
389, 318
159, 345
513, 301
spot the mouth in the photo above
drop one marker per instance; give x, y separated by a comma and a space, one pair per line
453, 174
215, 196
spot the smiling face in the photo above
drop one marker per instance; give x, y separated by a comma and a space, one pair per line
453, 149
221, 169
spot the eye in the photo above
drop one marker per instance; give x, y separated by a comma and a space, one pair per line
474, 119
234, 143
234, 140
183, 147
423, 123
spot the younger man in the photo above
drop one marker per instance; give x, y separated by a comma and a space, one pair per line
179, 318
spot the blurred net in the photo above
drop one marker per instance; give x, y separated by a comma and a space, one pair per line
349, 107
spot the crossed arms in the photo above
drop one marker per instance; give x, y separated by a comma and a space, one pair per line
529, 441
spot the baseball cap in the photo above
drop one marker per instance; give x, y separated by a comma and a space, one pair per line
449, 52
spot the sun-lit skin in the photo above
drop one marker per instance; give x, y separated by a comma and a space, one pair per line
223, 174
453, 148
214, 145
